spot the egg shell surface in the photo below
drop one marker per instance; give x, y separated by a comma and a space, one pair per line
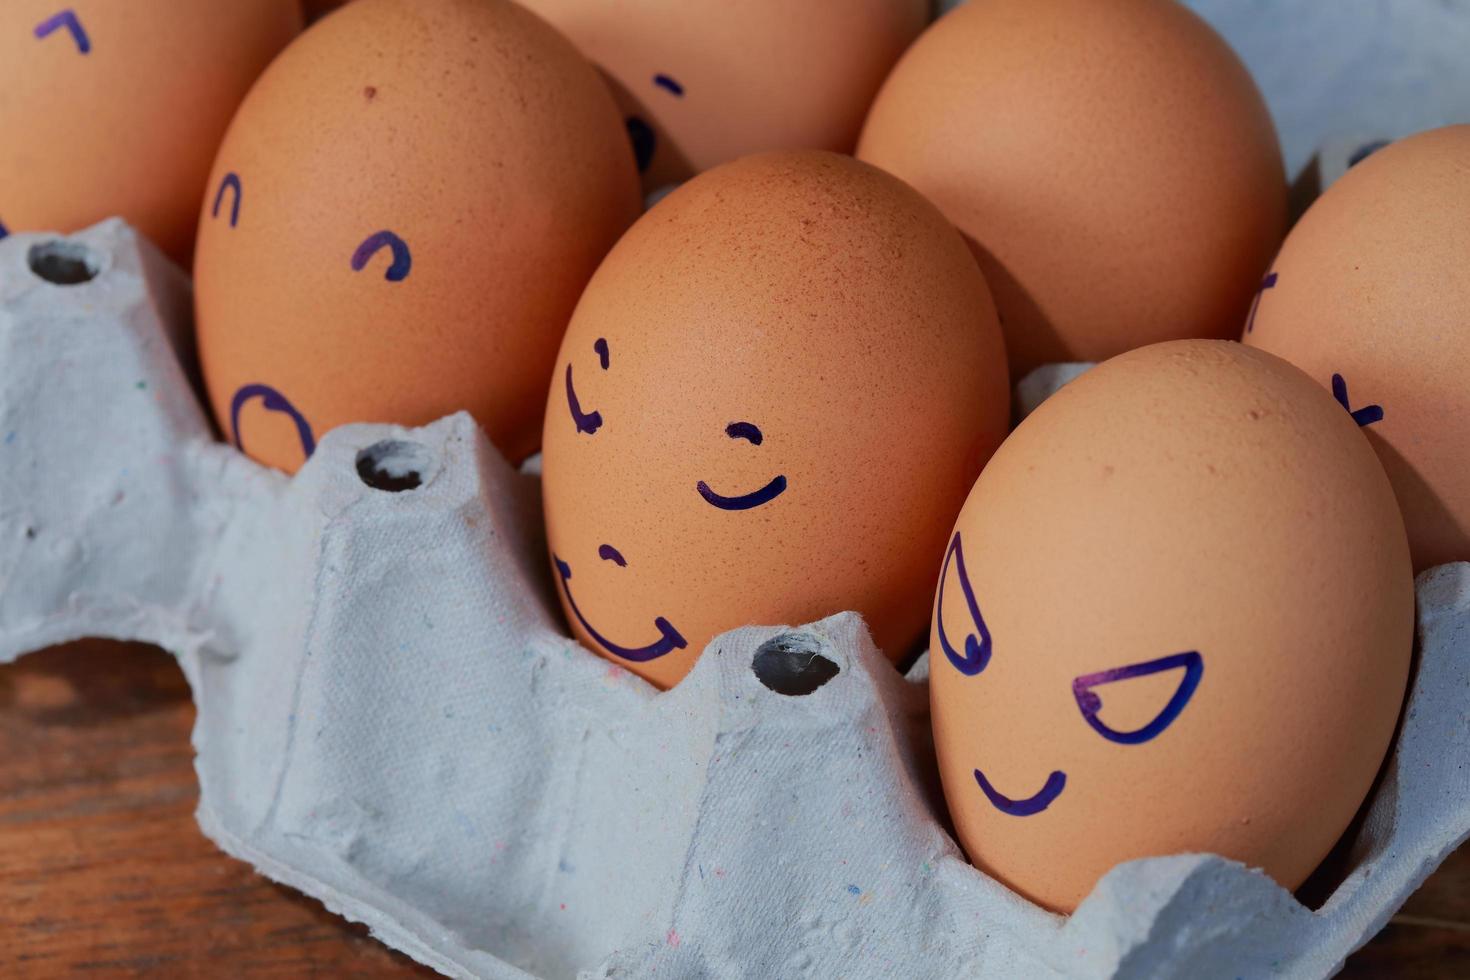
1371, 297
1176, 616
1112, 164
399, 224
768, 408
702, 82
111, 108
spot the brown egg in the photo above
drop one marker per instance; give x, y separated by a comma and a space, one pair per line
111, 108
400, 222
768, 408
1175, 615
1371, 297
703, 82
1112, 164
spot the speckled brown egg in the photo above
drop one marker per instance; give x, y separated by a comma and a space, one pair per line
703, 82
1112, 164
116, 108
399, 224
1371, 297
768, 408
1175, 615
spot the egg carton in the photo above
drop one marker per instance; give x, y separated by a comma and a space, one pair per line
392, 719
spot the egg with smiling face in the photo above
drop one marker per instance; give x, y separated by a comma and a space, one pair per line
768, 408
1175, 615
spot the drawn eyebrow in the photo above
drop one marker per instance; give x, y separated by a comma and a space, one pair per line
1090, 703
744, 430
608, 553
668, 84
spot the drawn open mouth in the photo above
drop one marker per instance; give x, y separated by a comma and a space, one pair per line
669, 638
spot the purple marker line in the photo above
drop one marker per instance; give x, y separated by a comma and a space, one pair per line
747, 501
374, 243
1089, 702
608, 553
1268, 283
230, 181
602, 352
744, 430
68, 19
1031, 805
1364, 416
4, 231
668, 84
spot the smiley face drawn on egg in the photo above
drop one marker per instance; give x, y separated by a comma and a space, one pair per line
977, 656
589, 423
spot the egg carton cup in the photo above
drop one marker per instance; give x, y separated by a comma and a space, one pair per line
392, 720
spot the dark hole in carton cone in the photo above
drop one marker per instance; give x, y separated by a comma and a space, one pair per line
790, 664
63, 263
393, 465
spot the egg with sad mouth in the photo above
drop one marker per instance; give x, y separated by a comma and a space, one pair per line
768, 408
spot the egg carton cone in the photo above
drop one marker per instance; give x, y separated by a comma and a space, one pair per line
392, 719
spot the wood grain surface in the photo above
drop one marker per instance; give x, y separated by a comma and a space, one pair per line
103, 871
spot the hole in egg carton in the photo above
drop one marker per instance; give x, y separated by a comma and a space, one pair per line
395, 465
64, 263
792, 664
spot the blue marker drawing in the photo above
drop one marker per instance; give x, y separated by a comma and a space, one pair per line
402, 259
4, 231
977, 644
668, 85
231, 181
1365, 151
669, 639
588, 422
767, 493
68, 19
744, 430
602, 354
1364, 416
1090, 703
1031, 805
274, 401
644, 140
1268, 283
747, 501
608, 553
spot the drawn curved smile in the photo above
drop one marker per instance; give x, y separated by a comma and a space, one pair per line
1033, 804
669, 638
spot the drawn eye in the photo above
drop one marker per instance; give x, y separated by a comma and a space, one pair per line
767, 493
608, 553
402, 263
1090, 702
230, 182
977, 643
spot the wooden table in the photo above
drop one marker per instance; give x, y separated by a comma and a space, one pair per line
104, 873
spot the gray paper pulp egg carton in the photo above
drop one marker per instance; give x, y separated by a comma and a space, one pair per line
391, 719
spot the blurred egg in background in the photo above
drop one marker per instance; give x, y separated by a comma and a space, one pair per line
769, 406
1113, 166
399, 223
1371, 297
116, 108
1176, 615
703, 82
